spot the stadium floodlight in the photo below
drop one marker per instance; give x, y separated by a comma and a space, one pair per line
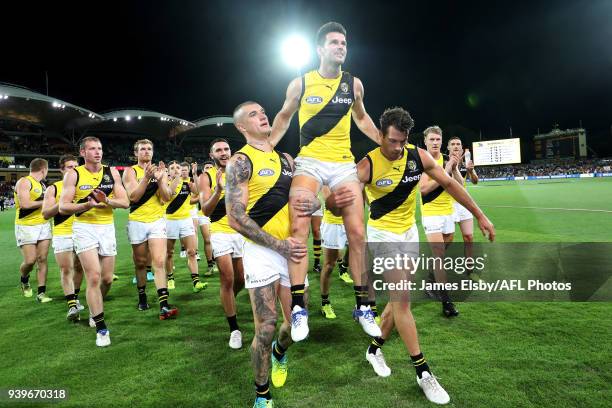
296, 51
139, 117
114, 119
128, 118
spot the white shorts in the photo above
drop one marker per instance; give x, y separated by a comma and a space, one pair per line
386, 243
439, 223
203, 220
223, 243
89, 236
194, 212
139, 232
318, 213
31, 234
326, 173
263, 266
62, 243
180, 228
461, 213
333, 236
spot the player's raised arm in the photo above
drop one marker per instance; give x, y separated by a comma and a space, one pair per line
50, 207
457, 191
282, 120
239, 171
363, 121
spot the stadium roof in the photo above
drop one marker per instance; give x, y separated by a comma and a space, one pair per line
52, 115
212, 127
140, 123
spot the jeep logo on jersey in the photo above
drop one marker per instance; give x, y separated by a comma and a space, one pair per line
384, 182
313, 100
287, 173
409, 179
266, 172
348, 101
86, 187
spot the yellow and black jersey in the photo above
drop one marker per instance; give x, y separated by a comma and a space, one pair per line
437, 201
179, 208
87, 182
330, 218
392, 188
62, 224
218, 218
325, 117
149, 208
30, 216
269, 191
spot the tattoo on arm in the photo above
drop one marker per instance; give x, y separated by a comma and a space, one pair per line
237, 177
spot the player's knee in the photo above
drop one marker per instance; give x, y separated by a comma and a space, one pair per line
468, 238
191, 252
65, 270
107, 280
41, 259
28, 263
93, 281
265, 332
140, 261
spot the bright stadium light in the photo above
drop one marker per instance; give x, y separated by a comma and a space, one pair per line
296, 51
128, 118
139, 117
114, 119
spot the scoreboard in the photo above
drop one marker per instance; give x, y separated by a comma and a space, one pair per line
502, 151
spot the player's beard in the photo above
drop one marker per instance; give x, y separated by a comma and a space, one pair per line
218, 163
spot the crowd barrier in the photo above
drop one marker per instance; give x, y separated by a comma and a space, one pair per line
555, 176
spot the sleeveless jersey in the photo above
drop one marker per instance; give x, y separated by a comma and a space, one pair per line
87, 182
269, 191
149, 208
438, 201
179, 207
30, 216
325, 117
62, 224
330, 218
218, 218
392, 189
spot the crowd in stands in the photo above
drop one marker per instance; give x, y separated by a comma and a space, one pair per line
6, 193
547, 168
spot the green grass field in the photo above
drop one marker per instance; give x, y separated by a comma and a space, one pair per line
502, 354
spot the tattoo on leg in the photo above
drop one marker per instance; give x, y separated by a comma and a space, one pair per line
264, 303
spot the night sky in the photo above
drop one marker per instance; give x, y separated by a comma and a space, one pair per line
469, 67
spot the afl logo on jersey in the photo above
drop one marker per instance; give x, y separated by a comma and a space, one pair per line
86, 187
384, 182
266, 172
313, 100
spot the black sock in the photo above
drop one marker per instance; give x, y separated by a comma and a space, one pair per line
170, 275
25, 279
148, 268
42, 289
278, 350
76, 293
444, 297
297, 296
182, 248
316, 251
361, 295
142, 294
325, 300
377, 342
211, 264
100, 324
233, 323
163, 297
263, 391
372, 304
420, 365
195, 278
71, 300
341, 268
345, 259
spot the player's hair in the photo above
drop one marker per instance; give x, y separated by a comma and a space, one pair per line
142, 142
185, 164
88, 139
432, 129
454, 138
173, 162
330, 27
397, 117
66, 158
217, 140
212, 163
38, 164
237, 108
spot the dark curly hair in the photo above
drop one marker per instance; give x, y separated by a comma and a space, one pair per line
397, 117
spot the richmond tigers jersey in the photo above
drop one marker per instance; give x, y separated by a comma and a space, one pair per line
149, 208
179, 208
325, 117
392, 189
62, 224
269, 191
438, 201
30, 216
87, 182
218, 218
